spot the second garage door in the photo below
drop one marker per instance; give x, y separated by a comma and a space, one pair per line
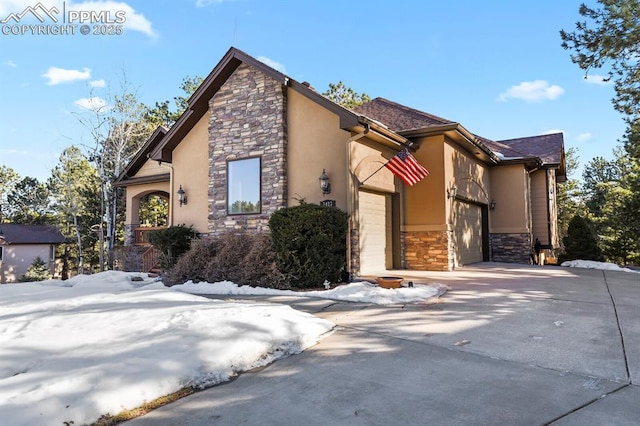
468, 233
375, 232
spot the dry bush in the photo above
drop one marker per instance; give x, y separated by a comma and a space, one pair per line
242, 258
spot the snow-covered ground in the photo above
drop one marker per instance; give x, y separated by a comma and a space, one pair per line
592, 264
77, 349
72, 351
355, 292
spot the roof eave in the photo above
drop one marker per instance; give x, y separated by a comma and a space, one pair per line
459, 134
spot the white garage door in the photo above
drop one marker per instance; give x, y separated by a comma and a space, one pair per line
375, 233
468, 233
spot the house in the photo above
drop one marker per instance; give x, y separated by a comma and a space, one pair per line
254, 140
20, 245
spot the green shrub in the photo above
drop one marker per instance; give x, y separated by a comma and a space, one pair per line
37, 271
580, 242
245, 259
172, 242
310, 243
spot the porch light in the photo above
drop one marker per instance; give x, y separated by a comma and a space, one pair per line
325, 185
182, 196
492, 205
451, 192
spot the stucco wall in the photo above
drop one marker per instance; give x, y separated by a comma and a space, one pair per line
248, 119
510, 225
315, 142
150, 168
191, 170
509, 190
424, 203
17, 258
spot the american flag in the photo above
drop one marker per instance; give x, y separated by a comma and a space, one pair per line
407, 168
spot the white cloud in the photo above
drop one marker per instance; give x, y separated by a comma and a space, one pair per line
10, 63
134, 21
57, 75
96, 104
205, 3
273, 64
583, 137
98, 83
597, 79
532, 91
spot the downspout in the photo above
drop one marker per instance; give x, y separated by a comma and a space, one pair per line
351, 192
529, 201
170, 167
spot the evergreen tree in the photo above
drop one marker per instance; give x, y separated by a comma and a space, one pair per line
345, 96
37, 271
162, 114
580, 242
568, 194
29, 203
608, 37
8, 180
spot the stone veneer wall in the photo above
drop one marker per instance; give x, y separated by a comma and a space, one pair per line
248, 119
130, 234
427, 250
354, 251
511, 248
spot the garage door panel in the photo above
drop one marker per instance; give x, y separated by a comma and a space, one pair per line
468, 233
375, 230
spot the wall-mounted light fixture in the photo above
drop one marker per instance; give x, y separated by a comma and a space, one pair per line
492, 205
182, 196
451, 192
325, 185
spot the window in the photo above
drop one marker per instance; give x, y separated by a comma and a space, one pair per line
1, 253
243, 186
52, 252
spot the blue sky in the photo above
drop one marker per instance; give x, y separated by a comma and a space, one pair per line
496, 67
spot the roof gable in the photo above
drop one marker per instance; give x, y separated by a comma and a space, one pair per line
11, 233
143, 154
198, 103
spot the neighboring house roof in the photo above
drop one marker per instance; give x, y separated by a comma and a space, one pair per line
11, 233
398, 117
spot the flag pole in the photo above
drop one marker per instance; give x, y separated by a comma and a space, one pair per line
381, 167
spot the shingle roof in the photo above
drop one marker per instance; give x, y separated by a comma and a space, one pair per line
30, 234
398, 118
548, 148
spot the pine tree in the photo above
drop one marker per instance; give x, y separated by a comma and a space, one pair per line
345, 96
580, 242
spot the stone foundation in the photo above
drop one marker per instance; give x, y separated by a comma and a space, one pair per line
248, 119
427, 250
510, 248
130, 234
354, 239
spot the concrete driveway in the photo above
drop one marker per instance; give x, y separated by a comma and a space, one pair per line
506, 344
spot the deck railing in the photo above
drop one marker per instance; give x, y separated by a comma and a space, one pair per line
141, 234
150, 259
